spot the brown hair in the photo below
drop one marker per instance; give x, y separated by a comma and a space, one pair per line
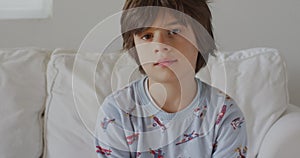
134, 20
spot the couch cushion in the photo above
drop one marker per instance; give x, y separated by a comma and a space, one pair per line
283, 139
23, 96
70, 124
256, 78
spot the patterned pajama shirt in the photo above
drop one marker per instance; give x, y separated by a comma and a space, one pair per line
130, 124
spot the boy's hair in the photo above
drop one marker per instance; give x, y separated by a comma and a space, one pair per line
135, 20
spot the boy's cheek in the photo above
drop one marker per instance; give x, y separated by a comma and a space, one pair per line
144, 53
142, 47
146, 59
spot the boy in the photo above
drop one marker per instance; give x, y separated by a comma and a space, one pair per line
169, 112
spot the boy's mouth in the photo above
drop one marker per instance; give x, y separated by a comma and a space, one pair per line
165, 62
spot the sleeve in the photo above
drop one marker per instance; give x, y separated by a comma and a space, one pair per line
110, 140
231, 134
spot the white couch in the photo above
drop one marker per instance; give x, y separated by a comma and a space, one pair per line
46, 113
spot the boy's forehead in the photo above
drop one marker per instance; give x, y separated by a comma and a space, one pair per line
166, 19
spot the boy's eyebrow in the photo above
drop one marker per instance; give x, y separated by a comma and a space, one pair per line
176, 22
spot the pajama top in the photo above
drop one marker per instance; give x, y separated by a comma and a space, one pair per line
130, 124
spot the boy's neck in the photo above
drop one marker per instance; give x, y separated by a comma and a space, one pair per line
173, 96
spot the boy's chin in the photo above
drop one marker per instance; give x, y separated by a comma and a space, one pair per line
162, 77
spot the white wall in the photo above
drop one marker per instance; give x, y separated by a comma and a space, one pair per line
71, 21
238, 24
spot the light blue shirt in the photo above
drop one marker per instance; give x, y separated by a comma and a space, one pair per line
130, 124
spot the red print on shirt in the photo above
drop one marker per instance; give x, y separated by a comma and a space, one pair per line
221, 114
103, 151
132, 138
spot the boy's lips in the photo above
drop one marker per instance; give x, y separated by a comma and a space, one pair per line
165, 62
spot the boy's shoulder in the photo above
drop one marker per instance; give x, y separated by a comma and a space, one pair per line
125, 97
218, 98
132, 87
214, 92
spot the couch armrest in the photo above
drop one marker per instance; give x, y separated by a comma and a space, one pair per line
283, 138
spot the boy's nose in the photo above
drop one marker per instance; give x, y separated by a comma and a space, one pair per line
161, 44
161, 47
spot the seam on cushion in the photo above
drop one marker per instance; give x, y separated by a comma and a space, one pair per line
63, 52
23, 49
42, 112
250, 53
255, 52
285, 78
51, 83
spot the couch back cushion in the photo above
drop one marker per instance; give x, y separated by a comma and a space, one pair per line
69, 120
22, 101
255, 78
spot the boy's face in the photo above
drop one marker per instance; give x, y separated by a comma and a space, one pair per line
165, 50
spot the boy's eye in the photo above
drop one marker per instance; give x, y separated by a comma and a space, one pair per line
174, 31
146, 37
